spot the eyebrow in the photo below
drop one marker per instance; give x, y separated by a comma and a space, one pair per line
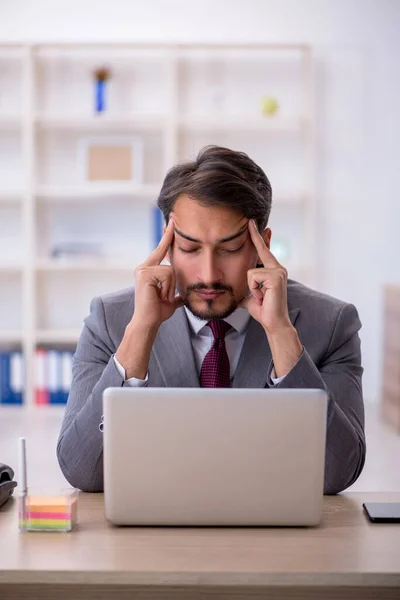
220, 241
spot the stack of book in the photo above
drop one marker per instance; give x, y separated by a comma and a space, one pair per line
11, 377
53, 376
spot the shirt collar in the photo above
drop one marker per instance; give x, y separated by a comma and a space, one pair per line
239, 320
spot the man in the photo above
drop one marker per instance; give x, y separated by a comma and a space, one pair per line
221, 313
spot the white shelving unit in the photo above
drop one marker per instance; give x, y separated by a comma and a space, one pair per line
177, 99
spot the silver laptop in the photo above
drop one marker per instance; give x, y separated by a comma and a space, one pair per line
228, 457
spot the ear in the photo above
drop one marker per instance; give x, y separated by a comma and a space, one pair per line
266, 236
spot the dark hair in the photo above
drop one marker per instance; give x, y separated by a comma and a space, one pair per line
223, 177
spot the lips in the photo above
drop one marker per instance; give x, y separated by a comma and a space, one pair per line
208, 295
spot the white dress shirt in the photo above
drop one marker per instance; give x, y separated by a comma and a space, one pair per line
202, 339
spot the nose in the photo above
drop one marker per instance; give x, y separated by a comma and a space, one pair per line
210, 271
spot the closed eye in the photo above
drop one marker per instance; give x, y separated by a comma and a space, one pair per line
192, 250
188, 251
232, 251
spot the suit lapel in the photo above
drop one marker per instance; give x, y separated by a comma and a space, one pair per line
255, 359
173, 352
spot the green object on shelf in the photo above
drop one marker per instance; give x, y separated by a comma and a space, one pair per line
269, 105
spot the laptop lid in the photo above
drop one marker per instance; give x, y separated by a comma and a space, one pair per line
193, 456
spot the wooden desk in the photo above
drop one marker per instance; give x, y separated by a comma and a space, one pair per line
346, 557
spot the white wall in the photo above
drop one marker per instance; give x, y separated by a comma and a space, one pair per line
357, 47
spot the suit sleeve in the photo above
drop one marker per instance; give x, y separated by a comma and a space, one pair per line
339, 374
80, 444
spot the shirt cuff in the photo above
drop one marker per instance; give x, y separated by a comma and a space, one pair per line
133, 381
276, 380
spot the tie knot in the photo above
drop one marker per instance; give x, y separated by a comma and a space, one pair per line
219, 328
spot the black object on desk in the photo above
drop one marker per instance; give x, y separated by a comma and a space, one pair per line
7, 484
383, 512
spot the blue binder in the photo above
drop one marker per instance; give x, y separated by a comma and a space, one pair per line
158, 225
66, 374
53, 360
16, 377
10, 388
3, 378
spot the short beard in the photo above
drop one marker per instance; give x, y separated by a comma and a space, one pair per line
210, 313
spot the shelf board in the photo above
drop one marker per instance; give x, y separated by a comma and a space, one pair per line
11, 52
57, 49
87, 192
11, 267
241, 123
150, 192
57, 336
10, 337
102, 52
11, 195
239, 47
10, 122
101, 121
82, 264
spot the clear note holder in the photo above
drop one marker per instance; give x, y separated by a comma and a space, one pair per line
42, 510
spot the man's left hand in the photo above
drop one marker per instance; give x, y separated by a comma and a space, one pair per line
267, 304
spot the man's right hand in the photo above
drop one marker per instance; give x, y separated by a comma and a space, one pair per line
155, 299
155, 302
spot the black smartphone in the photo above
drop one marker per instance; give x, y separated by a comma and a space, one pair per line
383, 512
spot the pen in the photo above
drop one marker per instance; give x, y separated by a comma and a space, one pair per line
23, 488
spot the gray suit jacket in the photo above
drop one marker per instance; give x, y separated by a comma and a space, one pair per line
328, 330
